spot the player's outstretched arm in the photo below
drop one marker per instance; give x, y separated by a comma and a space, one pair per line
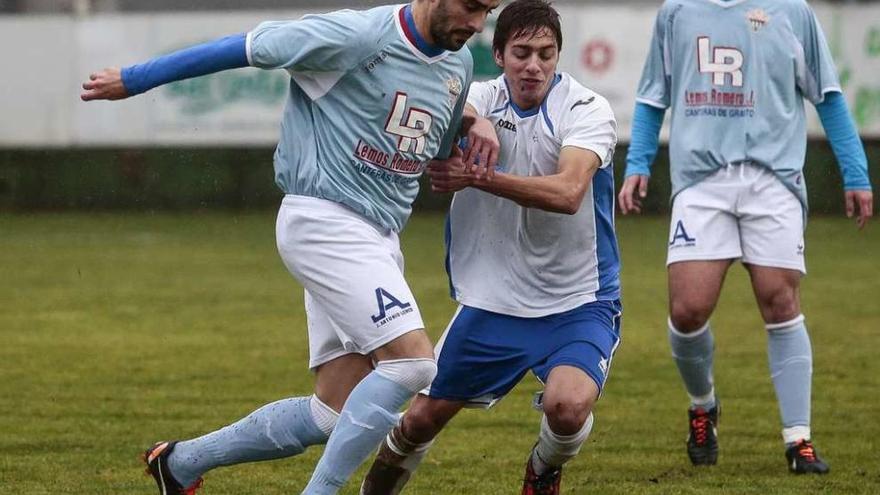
562, 192
115, 84
644, 141
850, 154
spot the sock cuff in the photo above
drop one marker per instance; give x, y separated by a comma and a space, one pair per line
412, 373
794, 433
323, 415
785, 326
575, 438
692, 335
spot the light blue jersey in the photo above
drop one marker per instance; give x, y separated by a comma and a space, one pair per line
370, 104
735, 74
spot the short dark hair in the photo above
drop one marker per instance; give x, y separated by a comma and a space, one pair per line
526, 18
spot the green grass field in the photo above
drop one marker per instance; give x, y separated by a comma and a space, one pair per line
117, 330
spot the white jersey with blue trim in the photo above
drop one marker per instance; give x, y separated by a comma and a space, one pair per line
527, 262
370, 103
735, 73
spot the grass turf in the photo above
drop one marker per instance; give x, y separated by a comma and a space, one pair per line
117, 330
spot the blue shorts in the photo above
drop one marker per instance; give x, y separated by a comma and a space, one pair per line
483, 355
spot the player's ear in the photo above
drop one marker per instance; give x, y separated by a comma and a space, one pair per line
499, 58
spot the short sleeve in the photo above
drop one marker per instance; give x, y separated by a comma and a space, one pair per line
481, 96
654, 85
816, 74
590, 124
323, 43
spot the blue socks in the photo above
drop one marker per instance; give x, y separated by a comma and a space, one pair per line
693, 353
280, 429
370, 412
791, 368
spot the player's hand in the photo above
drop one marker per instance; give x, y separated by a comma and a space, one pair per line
864, 201
634, 190
482, 153
450, 175
104, 85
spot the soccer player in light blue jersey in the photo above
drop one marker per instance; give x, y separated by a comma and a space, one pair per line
532, 260
374, 96
734, 74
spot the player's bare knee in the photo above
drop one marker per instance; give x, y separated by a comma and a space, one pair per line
567, 415
688, 317
779, 305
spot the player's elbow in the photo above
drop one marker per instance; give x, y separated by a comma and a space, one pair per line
571, 200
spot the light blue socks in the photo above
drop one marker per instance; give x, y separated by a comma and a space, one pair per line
791, 367
366, 418
280, 429
693, 353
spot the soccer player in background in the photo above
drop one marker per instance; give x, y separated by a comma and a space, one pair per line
734, 74
374, 96
532, 259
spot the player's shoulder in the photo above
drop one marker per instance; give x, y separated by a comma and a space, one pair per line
366, 25
573, 96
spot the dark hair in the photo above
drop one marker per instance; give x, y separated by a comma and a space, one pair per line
526, 18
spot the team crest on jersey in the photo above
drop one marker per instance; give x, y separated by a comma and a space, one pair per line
454, 87
757, 18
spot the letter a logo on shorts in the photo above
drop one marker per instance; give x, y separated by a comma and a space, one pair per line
681, 235
386, 301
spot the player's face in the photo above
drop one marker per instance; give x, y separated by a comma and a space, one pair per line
453, 22
529, 64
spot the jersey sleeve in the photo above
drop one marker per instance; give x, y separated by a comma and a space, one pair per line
654, 85
451, 134
590, 124
816, 74
481, 95
323, 43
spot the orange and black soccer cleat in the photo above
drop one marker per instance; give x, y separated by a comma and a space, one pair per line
156, 459
803, 458
702, 441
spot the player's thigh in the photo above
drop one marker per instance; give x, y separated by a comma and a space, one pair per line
694, 287
772, 224
583, 342
351, 268
481, 356
702, 226
777, 292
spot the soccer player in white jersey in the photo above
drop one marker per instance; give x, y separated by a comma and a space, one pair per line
532, 259
374, 96
734, 75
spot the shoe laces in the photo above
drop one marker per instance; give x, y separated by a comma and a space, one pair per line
700, 425
805, 449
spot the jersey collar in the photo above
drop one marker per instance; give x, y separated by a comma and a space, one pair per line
406, 26
532, 111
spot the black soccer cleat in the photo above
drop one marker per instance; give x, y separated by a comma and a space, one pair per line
702, 441
803, 459
156, 459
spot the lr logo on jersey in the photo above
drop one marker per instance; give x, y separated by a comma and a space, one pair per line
386, 303
724, 61
410, 126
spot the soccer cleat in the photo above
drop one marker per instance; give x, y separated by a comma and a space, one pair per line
803, 458
544, 484
156, 459
702, 441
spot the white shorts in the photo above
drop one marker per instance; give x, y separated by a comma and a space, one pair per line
741, 211
356, 299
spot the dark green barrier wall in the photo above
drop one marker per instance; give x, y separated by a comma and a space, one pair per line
176, 179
